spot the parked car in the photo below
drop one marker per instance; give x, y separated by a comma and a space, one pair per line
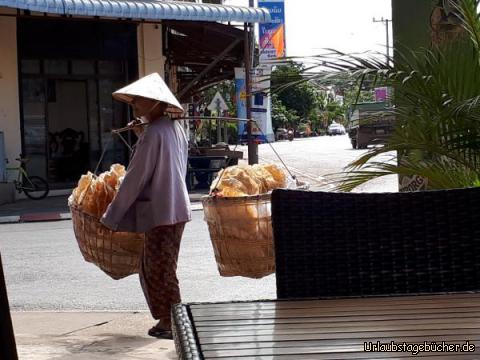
336, 129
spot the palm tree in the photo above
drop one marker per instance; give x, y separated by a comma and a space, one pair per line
445, 22
437, 98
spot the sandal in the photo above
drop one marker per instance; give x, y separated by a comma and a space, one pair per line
160, 333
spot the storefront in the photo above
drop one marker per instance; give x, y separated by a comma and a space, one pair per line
60, 63
67, 73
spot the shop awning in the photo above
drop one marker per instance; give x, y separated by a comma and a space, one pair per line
192, 51
143, 9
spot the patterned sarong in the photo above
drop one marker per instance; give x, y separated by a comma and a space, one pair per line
158, 271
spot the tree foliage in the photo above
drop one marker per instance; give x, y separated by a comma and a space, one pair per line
437, 98
299, 98
292, 91
281, 116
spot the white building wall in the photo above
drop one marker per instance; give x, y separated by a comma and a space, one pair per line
9, 106
150, 50
9, 93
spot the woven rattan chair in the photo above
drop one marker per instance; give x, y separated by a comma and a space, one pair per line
343, 244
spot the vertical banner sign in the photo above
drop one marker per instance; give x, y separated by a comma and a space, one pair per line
241, 100
272, 34
272, 41
260, 102
272, 46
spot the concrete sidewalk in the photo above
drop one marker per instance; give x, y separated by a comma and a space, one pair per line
55, 208
88, 336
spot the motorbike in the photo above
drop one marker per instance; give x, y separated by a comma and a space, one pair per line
290, 135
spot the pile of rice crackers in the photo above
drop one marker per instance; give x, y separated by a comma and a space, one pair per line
244, 180
94, 193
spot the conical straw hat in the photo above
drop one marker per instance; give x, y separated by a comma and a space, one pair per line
149, 87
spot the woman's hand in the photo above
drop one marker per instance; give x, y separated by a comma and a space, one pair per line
136, 126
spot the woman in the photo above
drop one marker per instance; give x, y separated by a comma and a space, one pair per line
153, 197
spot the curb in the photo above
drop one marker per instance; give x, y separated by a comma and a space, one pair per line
9, 219
45, 217
197, 206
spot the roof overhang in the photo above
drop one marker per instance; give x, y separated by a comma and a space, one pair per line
191, 49
143, 10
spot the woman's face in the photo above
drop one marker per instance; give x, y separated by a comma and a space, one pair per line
142, 107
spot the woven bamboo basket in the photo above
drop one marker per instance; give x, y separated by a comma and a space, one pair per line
115, 253
241, 234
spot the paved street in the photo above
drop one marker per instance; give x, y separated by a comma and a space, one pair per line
313, 158
45, 271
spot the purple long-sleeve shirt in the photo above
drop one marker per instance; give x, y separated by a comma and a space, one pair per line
153, 192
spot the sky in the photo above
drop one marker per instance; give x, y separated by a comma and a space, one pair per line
345, 25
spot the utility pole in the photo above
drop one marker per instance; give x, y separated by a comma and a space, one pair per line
219, 126
387, 27
252, 145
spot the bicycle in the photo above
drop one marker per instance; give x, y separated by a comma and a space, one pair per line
35, 187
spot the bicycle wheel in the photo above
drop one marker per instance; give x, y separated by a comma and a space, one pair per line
37, 188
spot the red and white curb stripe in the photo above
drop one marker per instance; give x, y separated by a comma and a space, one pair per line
9, 219
38, 217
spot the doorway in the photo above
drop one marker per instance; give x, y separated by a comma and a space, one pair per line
68, 71
68, 130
